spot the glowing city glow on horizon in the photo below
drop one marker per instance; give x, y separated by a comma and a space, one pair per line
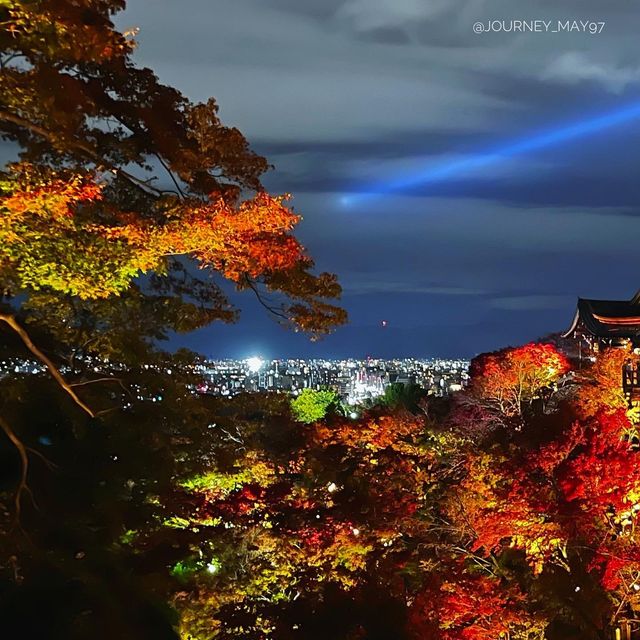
255, 363
455, 168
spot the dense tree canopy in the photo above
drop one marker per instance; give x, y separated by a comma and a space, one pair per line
119, 173
513, 377
125, 210
398, 525
312, 405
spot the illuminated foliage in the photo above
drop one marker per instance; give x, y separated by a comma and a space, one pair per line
43, 229
77, 220
289, 527
499, 506
603, 471
127, 209
602, 387
471, 606
475, 539
256, 525
515, 376
311, 405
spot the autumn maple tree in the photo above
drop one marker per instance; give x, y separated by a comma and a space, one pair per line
471, 605
126, 209
602, 387
255, 525
290, 517
118, 174
559, 495
470, 532
515, 376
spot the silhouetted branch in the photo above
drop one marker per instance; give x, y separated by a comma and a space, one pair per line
168, 170
88, 151
83, 382
57, 376
24, 460
271, 309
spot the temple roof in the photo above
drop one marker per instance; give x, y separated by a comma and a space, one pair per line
608, 318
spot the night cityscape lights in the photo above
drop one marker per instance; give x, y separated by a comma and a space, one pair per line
356, 381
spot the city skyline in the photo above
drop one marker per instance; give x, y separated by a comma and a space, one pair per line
355, 380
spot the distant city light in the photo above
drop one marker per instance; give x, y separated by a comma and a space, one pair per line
255, 363
358, 382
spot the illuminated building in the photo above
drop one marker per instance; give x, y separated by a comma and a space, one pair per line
599, 324
606, 323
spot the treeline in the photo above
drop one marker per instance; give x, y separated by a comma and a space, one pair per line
508, 510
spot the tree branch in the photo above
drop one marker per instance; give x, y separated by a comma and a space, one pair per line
57, 376
83, 382
88, 151
267, 306
168, 170
24, 459
118, 381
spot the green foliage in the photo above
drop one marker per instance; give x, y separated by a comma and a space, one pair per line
399, 394
176, 522
311, 405
248, 470
185, 569
128, 536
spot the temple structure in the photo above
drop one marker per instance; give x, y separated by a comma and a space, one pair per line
607, 323
598, 324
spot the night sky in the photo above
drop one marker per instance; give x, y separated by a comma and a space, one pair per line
346, 96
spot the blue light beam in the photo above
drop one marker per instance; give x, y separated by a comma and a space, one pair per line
541, 141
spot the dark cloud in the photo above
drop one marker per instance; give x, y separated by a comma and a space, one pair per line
387, 35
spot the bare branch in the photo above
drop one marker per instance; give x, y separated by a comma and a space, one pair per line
118, 381
271, 309
83, 382
24, 459
50, 465
57, 376
168, 170
88, 151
